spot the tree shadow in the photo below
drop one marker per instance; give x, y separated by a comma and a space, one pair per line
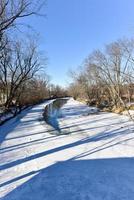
24, 120
105, 135
92, 179
27, 144
30, 134
10, 125
98, 137
73, 179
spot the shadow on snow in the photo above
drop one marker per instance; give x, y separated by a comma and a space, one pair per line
79, 179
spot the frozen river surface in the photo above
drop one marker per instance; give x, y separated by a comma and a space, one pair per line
91, 159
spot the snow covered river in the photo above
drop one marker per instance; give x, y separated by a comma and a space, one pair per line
94, 161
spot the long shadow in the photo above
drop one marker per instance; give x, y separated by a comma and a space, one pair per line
79, 123
104, 146
14, 122
105, 134
18, 178
98, 137
24, 144
94, 179
94, 120
10, 125
51, 117
30, 134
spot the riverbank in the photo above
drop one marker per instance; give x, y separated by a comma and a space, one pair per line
128, 111
14, 111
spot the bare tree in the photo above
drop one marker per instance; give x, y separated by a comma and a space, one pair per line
12, 10
35, 91
18, 64
108, 75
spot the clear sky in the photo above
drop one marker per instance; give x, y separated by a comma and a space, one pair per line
73, 28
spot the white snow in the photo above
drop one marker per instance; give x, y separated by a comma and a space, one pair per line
91, 160
127, 113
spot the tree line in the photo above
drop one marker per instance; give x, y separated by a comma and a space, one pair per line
106, 77
23, 80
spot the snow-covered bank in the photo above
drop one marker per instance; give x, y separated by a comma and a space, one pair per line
93, 161
127, 113
13, 112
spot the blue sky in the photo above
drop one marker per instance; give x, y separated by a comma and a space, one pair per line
73, 28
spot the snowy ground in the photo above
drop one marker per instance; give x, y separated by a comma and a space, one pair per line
92, 160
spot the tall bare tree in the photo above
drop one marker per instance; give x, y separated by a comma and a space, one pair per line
108, 74
18, 64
